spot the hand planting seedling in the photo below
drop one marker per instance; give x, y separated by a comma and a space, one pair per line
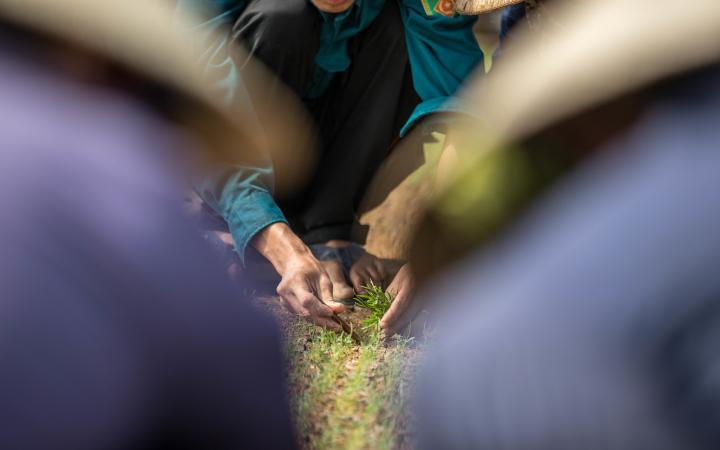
377, 301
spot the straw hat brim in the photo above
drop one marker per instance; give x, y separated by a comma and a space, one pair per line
594, 51
147, 38
475, 7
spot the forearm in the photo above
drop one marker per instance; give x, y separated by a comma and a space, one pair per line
447, 161
280, 245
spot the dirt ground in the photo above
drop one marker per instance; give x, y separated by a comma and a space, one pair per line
345, 394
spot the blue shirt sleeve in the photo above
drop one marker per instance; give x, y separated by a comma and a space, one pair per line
443, 52
241, 195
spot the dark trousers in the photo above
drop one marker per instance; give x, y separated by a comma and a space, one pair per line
358, 118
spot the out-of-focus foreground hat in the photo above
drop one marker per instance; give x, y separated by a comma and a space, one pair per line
146, 38
472, 7
594, 53
465, 7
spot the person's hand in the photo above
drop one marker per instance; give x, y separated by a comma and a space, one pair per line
366, 269
403, 310
341, 289
306, 289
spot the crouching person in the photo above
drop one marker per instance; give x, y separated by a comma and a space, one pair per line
367, 72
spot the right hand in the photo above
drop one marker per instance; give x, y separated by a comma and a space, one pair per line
305, 288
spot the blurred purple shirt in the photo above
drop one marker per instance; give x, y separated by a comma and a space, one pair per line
118, 327
594, 323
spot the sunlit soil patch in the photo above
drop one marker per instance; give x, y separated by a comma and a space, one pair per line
346, 395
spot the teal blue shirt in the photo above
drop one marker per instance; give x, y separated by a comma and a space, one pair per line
442, 52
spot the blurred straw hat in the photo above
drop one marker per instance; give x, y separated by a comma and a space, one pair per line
146, 37
594, 52
473, 7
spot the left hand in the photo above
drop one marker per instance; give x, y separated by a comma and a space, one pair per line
403, 310
366, 269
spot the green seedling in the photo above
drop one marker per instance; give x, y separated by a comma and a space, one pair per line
377, 301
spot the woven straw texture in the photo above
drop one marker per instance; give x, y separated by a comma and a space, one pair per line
470, 7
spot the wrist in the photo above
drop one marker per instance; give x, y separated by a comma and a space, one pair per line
279, 245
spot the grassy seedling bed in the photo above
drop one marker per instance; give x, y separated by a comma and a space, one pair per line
347, 395
344, 394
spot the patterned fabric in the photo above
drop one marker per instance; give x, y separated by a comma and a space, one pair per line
439, 7
474, 7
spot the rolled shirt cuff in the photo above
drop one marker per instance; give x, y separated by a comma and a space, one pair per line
252, 213
434, 106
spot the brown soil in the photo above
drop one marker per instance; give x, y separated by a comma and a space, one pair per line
300, 338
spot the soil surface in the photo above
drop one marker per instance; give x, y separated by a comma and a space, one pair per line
344, 394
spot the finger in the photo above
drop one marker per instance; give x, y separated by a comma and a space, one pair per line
313, 307
403, 321
326, 289
306, 308
397, 309
380, 267
326, 295
341, 290
325, 322
299, 298
374, 275
336, 307
290, 302
358, 280
314, 311
394, 288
